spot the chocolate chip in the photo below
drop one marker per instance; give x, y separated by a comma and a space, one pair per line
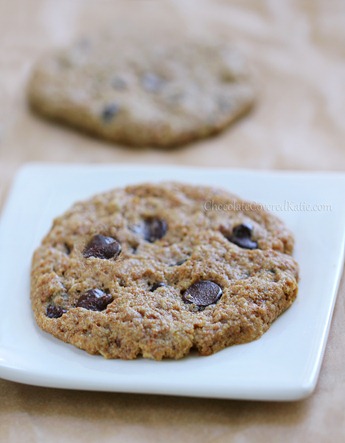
102, 247
154, 229
109, 112
152, 82
179, 263
94, 300
55, 311
203, 293
157, 285
134, 249
241, 236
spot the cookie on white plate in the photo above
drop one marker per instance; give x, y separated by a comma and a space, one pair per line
157, 270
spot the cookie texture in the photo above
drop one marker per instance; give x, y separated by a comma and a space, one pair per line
158, 270
141, 91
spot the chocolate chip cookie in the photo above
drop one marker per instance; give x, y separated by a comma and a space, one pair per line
143, 92
157, 270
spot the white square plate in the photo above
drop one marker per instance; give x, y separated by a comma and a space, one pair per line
282, 365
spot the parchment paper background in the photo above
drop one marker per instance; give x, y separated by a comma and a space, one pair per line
298, 51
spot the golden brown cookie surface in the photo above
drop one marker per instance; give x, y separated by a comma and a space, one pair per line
158, 270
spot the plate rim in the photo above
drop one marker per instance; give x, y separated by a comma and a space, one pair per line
309, 384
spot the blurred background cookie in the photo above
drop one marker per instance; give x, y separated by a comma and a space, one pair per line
143, 91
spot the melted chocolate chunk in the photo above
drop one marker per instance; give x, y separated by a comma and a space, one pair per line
102, 247
55, 311
157, 285
242, 236
109, 112
179, 263
154, 229
203, 293
94, 300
